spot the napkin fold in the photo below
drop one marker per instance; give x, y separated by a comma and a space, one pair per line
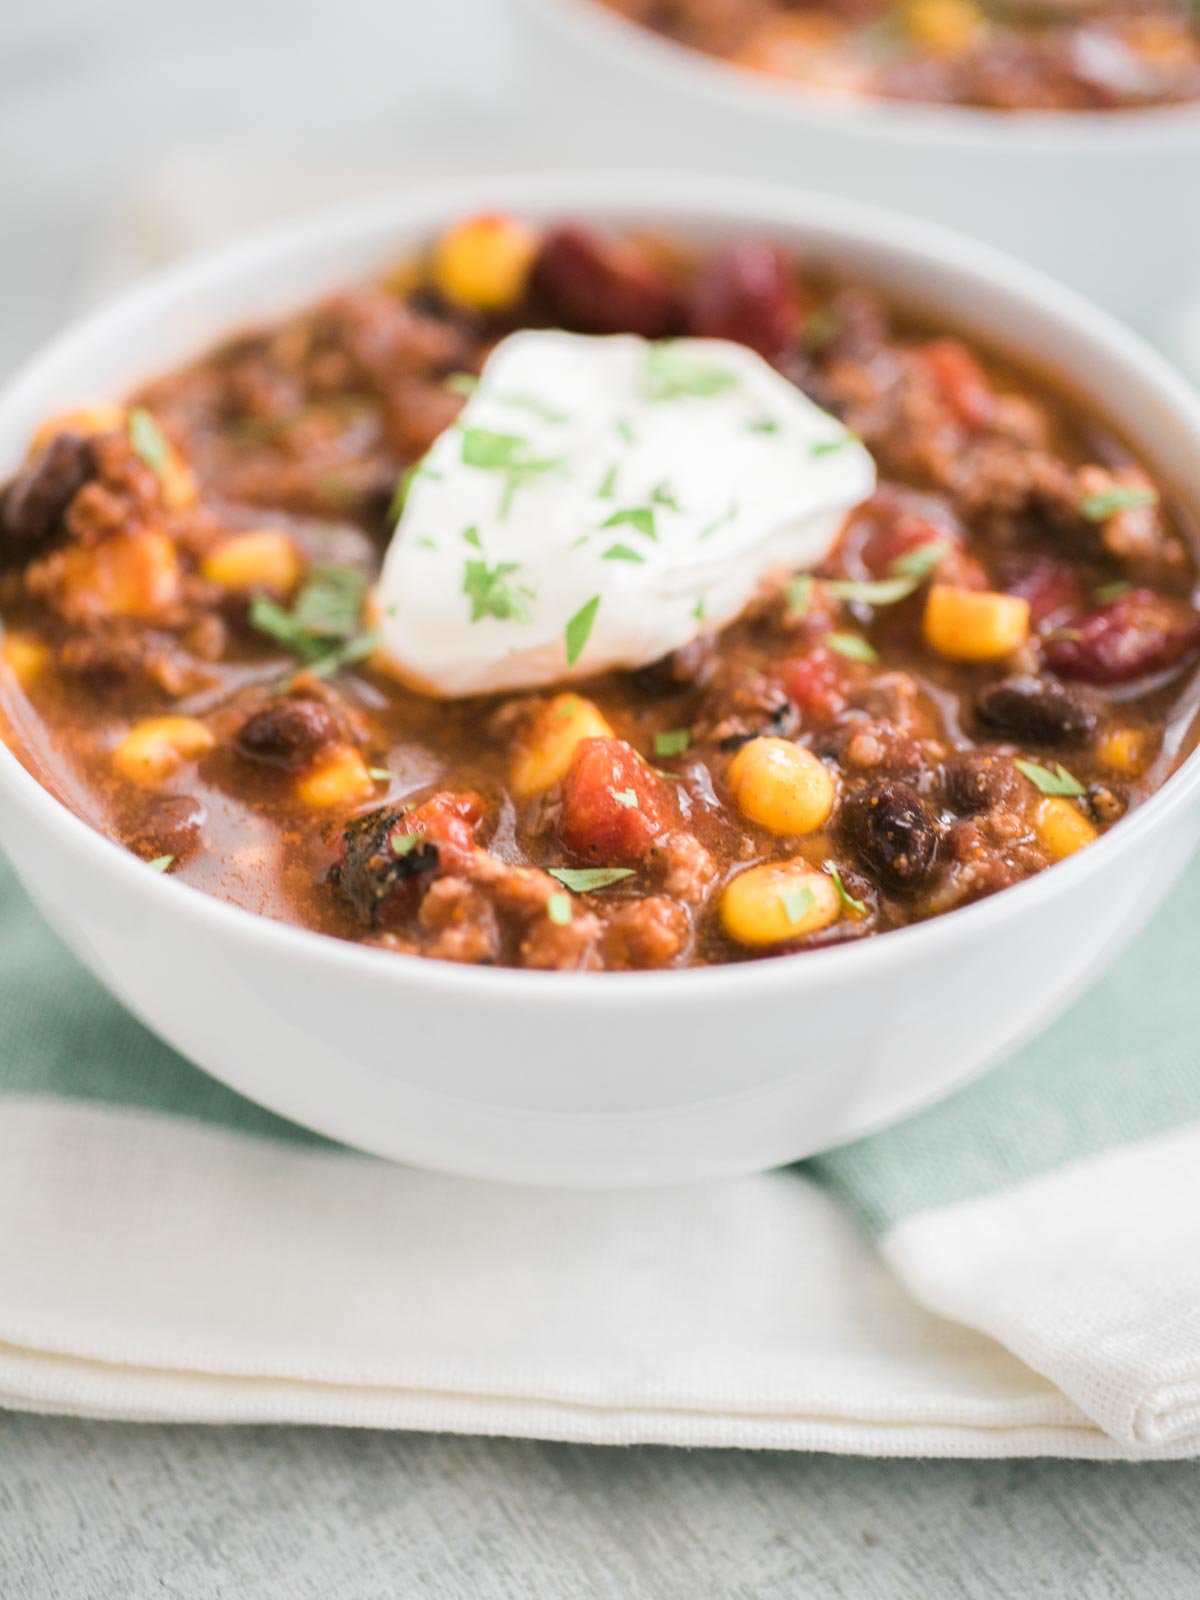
1012, 1273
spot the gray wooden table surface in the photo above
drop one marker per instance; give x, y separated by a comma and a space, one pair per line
97, 97
92, 1511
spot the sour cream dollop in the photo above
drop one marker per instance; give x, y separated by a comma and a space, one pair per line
600, 502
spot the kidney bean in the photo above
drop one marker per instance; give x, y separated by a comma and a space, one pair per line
746, 292
594, 285
1050, 586
1038, 710
39, 495
287, 734
1138, 633
893, 832
974, 781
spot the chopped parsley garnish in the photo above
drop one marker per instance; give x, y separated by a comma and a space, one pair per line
380, 774
625, 797
322, 627
471, 536
672, 374
763, 425
608, 487
1098, 507
1059, 781
404, 487
661, 495
579, 629
492, 594
698, 609
624, 429
622, 552
719, 522
501, 452
828, 447
798, 595
426, 542
146, 438
796, 902
1108, 592
851, 645
877, 592
844, 894
403, 844
558, 909
464, 383
530, 402
639, 518
672, 742
490, 451
920, 562
582, 880
161, 863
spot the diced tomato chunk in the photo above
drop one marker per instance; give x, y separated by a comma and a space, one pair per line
613, 806
446, 818
595, 285
961, 381
746, 292
1138, 633
816, 682
1051, 587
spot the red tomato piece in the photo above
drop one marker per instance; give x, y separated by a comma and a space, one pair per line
1138, 633
816, 682
446, 818
746, 292
961, 382
613, 806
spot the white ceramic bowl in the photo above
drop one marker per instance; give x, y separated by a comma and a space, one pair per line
577, 1078
1110, 203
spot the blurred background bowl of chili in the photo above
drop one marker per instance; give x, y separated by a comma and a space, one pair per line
1104, 200
610, 1079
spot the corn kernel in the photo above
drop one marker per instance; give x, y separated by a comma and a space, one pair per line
23, 656
152, 750
484, 262
944, 27
974, 624
87, 420
177, 482
341, 779
1062, 828
130, 575
781, 786
547, 746
1123, 750
264, 559
778, 901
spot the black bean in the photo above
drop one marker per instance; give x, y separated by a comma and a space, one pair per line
38, 496
1038, 710
974, 781
376, 877
287, 734
893, 832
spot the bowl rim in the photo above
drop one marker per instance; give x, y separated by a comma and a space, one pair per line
688, 201
628, 45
